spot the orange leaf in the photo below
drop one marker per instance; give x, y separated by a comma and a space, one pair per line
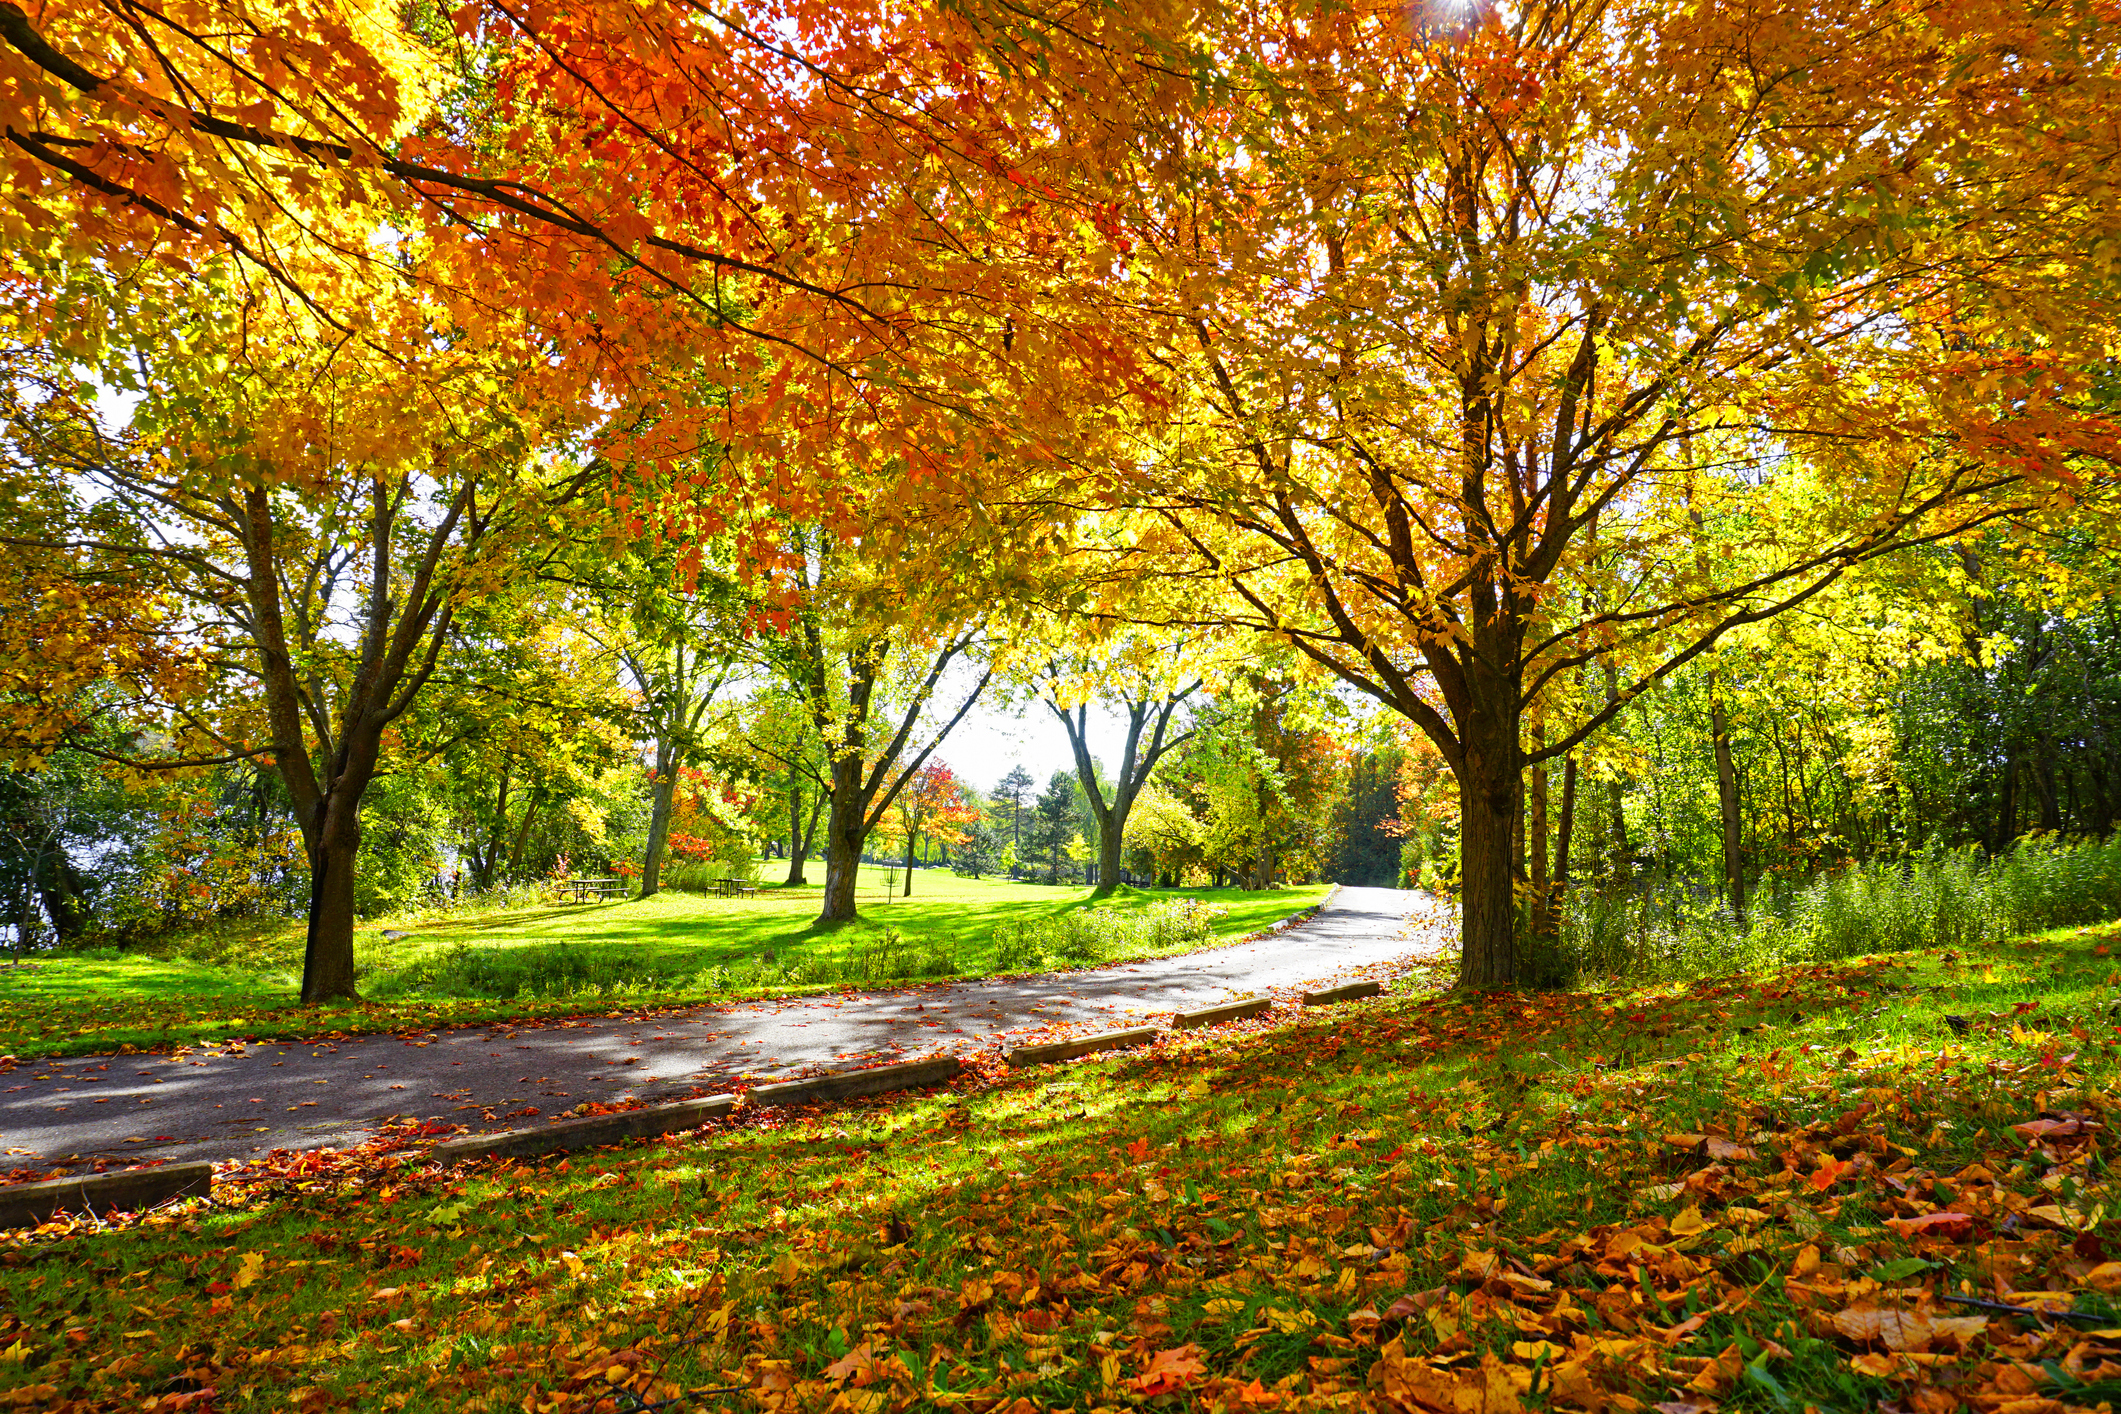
1169, 1370
853, 1363
1829, 1172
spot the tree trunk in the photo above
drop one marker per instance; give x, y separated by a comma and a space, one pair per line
844, 835
2007, 807
1727, 803
515, 854
487, 863
1562, 835
1110, 830
327, 963
910, 837
1536, 846
60, 886
1488, 791
798, 843
666, 788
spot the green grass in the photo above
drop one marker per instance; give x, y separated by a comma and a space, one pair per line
1521, 1196
555, 959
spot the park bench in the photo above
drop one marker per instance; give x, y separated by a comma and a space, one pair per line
735, 888
601, 889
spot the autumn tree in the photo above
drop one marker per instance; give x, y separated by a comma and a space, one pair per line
770, 738
934, 803
322, 519
881, 689
676, 639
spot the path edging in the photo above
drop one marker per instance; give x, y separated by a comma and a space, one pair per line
28, 1204
1352, 992
593, 1131
1225, 1011
1080, 1046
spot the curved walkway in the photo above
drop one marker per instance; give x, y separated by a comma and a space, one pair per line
221, 1104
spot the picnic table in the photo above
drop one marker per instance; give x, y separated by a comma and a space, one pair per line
602, 889
735, 888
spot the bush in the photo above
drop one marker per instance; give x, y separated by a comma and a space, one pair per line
1943, 900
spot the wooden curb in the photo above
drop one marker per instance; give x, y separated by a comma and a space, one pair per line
1081, 1046
1348, 993
650, 1120
27, 1204
1228, 1011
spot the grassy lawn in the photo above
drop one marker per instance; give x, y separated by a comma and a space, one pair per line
1753, 1192
557, 959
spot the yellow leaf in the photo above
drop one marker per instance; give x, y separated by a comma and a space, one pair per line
1690, 1222
251, 1268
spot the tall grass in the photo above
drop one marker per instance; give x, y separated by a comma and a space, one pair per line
1943, 900
1088, 935
617, 973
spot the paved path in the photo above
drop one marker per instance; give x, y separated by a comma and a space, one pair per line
232, 1102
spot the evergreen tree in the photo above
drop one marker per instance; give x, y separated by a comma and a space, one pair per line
1009, 794
1056, 821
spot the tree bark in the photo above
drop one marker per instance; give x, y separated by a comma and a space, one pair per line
327, 961
1562, 836
515, 853
1487, 805
666, 787
846, 830
1727, 803
798, 837
59, 884
1536, 851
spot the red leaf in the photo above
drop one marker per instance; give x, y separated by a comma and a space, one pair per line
1829, 1172
1138, 1150
1952, 1227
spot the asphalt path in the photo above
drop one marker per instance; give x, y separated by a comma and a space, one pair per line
236, 1101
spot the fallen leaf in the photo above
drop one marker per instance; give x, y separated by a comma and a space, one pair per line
1951, 1227
1169, 1370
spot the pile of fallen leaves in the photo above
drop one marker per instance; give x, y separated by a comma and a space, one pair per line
1874, 1184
